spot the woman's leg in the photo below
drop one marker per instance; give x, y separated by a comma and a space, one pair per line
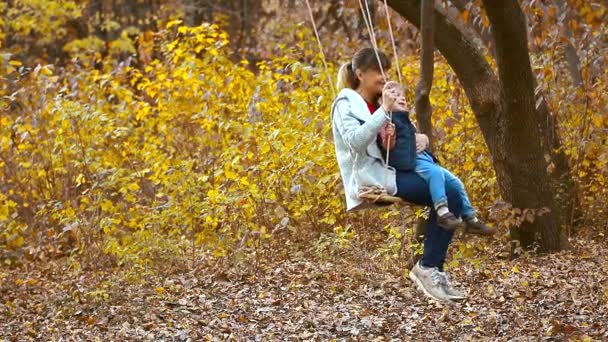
455, 204
414, 189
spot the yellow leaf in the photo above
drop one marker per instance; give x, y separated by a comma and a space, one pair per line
173, 23
106, 205
15, 63
231, 175
69, 212
80, 179
5, 143
468, 165
16, 242
46, 71
133, 187
213, 195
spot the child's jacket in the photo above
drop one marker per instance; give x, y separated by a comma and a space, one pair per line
403, 156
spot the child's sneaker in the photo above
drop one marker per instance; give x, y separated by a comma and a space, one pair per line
449, 222
475, 226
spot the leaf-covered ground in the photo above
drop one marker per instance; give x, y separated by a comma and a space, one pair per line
557, 296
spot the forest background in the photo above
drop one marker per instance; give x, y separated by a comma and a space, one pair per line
167, 171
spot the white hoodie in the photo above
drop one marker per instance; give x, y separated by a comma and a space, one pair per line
360, 160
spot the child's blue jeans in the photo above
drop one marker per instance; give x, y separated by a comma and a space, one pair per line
438, 178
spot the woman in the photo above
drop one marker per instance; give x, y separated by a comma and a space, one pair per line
357, 120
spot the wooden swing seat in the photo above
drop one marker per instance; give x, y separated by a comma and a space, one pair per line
377, 195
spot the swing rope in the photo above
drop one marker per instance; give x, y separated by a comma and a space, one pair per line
367, 17
390, 30
314, 26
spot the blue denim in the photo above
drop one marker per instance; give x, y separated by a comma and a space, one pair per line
439, 179
403, 156
412, 188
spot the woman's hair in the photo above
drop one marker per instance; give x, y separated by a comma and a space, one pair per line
363, 60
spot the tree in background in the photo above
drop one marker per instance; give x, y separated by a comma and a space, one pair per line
518, 128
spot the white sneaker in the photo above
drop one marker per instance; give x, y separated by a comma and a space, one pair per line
452, 292
430, 281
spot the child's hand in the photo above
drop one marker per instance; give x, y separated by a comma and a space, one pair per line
389, 96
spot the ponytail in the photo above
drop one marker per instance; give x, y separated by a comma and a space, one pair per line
346, 77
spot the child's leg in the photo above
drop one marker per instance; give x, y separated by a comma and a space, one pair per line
472, 224
467, 209
434, 177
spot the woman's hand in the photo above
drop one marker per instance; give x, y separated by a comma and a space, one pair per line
422, 142
389, 96
390, 130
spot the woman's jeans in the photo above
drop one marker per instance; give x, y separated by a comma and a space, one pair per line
412, 188
439, 179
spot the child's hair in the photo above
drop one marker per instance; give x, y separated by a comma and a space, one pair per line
363, 60
394, 85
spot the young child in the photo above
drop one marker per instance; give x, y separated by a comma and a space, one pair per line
403, 157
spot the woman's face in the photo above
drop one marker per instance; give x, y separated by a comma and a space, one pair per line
371, 81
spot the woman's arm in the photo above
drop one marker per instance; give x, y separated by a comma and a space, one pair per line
356, 135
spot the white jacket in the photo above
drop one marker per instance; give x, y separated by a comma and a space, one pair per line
360, 160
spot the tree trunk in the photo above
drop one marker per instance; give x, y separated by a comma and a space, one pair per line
574, 62
427, 61
197, 11
94, 11
562, 183
497, 115
525, 177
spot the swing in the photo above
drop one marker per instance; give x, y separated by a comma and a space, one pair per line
377, 195
369, 194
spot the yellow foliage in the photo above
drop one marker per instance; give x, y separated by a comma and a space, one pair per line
196, 148
43, 19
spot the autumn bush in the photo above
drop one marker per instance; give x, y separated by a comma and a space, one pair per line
194, 155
